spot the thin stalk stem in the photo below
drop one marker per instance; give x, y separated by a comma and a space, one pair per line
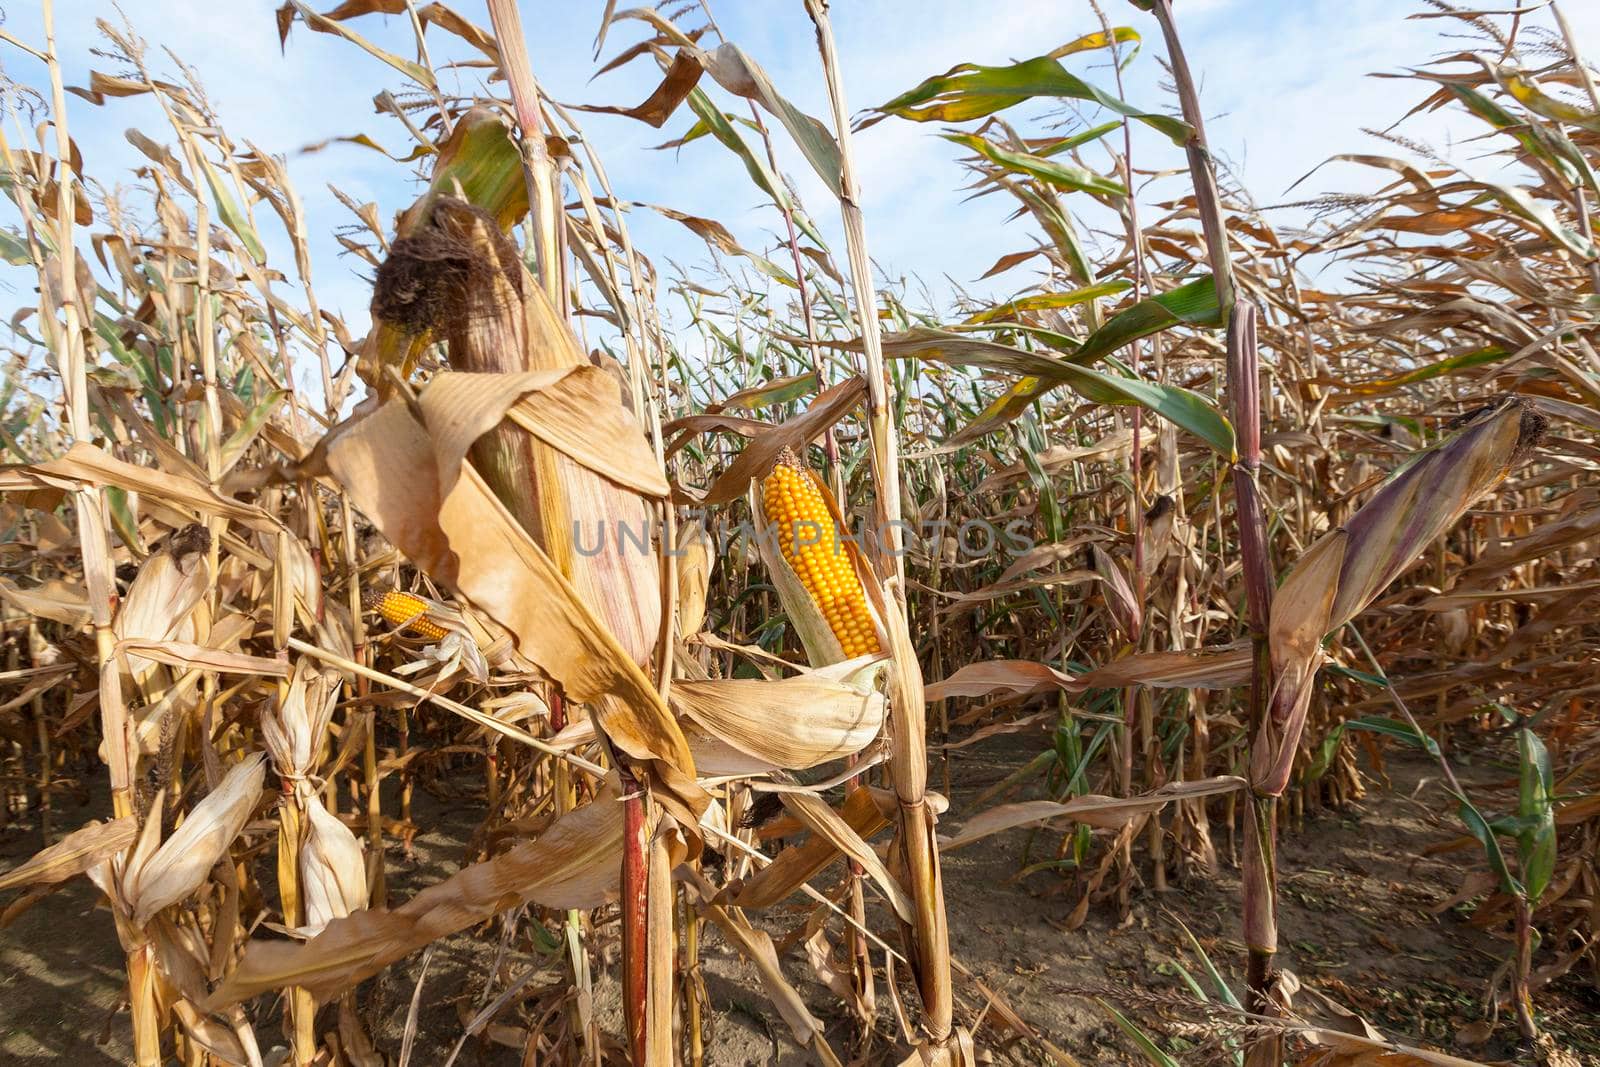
1259, 878
918, 852
543, 185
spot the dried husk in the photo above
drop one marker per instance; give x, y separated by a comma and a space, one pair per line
155, 877
333, 871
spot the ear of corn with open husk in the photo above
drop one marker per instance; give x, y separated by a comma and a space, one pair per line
815, 565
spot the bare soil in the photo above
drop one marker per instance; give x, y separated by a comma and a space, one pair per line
1357, 901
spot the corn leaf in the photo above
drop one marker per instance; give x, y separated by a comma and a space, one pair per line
970, 91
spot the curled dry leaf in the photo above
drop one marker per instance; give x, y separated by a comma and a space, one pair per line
447, 522
865, 812
824, 822
56, 600
1107, 813
88, 846
1208, 668
573, 864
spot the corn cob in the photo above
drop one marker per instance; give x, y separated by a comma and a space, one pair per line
809, 540
405, 611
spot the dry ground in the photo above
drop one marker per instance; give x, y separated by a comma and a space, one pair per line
1356, 916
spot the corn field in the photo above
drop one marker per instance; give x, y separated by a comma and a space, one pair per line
590, 663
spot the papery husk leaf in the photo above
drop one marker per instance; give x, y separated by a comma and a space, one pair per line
693, 562
823, 821
215, 1038
163, 596
574, 864
333, 873
458, 533
294, 730
805, 615
182, 862
865, 811
792, 723
496, 318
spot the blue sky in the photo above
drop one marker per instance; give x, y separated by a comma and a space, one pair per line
1284, 86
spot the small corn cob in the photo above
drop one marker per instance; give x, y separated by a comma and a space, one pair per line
809, 541
405, 611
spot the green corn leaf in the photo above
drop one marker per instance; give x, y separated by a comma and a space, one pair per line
1224, 991
778, 391
1479, 828
1093, 133
13, 249
1193, 303
1057, 225
1478, 357
1048, 301
1519, 203
230, 213
1547, 143
233, 448
1536, 845
970, 91
1059, 175
1184, 407
1147, 1046
743, 76
1526, 91
1400, 731
719, 127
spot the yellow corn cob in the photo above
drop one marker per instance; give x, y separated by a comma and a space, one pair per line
809, 540
405, 611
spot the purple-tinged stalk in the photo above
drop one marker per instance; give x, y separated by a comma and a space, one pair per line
1259, 900
1259, 874
635, 918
